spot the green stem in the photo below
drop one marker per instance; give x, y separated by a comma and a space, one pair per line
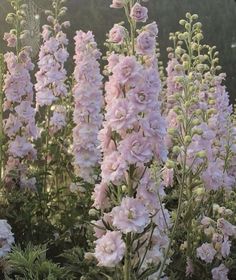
127, 265
132, 26
177, 217
47, 146
18, 29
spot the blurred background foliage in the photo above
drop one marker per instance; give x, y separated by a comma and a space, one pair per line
218, 18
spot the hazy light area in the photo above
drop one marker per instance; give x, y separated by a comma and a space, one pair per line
218, 18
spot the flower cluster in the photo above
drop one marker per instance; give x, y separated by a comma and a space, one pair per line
220, 234
201, 141
210, 135
51, 77
20, 125
87, 93
132, 137
6, 238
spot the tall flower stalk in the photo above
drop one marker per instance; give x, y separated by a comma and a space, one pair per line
88, 102
2, 72
19, 126
132, 232
200, 137
51, 88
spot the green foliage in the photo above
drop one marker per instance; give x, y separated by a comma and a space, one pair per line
32, 264
57, 217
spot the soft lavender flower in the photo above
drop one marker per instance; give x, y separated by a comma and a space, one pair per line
100, 225
147, 192
132, 136
130, 216
10, 39
152, 29
139, 13
100, 196
220, 272
189, 268
226, 227
206, 252
20, 147
20, 125
117, 4
126, 69
51, 76
121, 115
88, 101
6, 238
110, 249
58, 119
168, 177
113, 168
136, 148
117, 34
145, 43
225, 248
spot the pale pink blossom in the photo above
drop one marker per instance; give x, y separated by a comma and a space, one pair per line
110, 249
113, 168
145, 44
139, 13
220, 272
88, 102
136, 148
6, 237
117, 4
10, 39
130, 216
100, 196
226, 227
225, 248
206, 252
117, 34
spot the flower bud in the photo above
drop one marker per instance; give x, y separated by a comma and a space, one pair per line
170, 164
187, 139
185, 65
201, 154
172, 131
176, 150
93, 212
200, 191
124, 188
182, 22
215, 207
196, 122
188, 15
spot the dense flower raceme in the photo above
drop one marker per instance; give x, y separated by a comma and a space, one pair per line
87, 116
220, 234
20, 125
201, 141
51, 77
132, 136
6, 238
213, 134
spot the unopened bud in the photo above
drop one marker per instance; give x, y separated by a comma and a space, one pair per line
170, 164
187, 139
176, 150
201, 154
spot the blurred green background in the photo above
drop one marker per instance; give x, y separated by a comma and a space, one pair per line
218, 18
